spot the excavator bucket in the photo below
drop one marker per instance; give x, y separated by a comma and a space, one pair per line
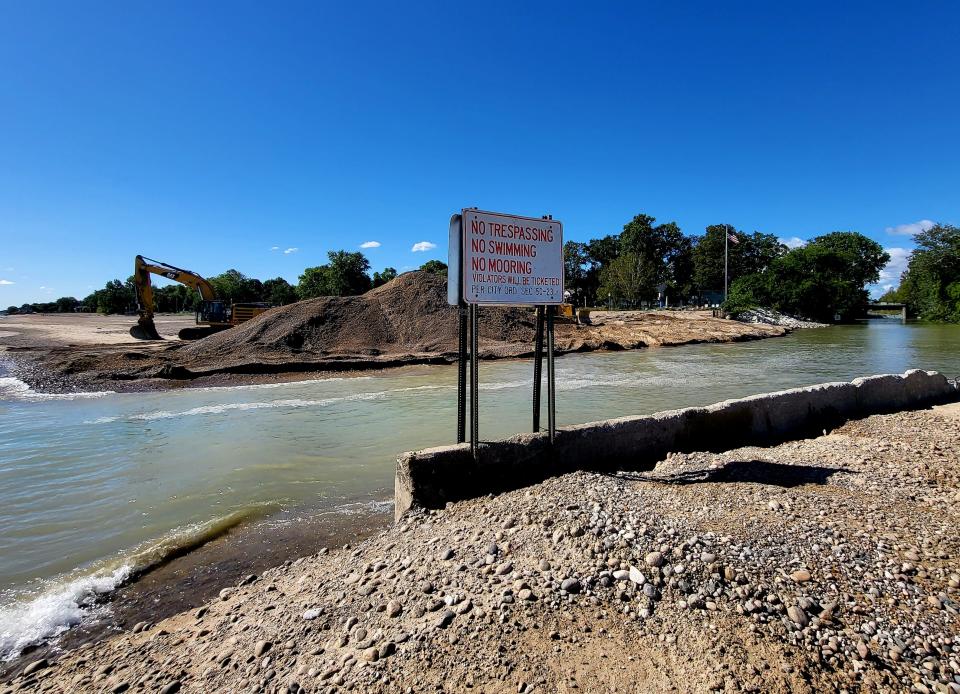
145, 330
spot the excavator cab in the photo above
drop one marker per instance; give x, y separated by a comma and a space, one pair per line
215, 311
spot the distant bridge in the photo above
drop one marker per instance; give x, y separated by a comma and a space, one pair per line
886, 306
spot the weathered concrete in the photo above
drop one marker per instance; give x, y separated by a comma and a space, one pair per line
432, 477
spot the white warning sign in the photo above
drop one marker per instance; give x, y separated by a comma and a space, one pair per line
511, 260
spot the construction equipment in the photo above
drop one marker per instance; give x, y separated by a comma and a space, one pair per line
213, 313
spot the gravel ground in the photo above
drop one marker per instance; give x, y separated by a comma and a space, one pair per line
827, 564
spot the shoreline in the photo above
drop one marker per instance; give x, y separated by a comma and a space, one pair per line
814, 565
48, 365
188, 577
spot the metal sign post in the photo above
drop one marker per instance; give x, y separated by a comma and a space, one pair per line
507, 260
537, 369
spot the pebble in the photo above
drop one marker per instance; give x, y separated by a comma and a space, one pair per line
571, 585
445, 618
798, 616
800, 576
654, 559
636, 576
261, 647
171, 688
394, 608
36, 666
312, 614
504, 568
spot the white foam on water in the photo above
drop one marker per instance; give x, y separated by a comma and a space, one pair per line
238, 406
30, 617
281, 384
24, 622
14, 387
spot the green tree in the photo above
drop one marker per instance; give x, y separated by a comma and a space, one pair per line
279, 292
437, 267
822, 280
66, 304
576, 268
115, 297
13, 310
931, 284
234, 286
381, 278
753, 253
345, 275
628, 278
864, 257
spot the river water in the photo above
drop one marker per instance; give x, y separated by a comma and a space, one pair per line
96, 486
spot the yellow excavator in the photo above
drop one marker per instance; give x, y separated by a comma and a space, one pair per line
213, 313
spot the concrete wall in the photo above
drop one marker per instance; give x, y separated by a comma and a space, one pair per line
432, 477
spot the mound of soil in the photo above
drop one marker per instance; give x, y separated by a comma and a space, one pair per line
408, 315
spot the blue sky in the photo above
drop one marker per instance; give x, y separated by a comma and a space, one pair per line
218, 135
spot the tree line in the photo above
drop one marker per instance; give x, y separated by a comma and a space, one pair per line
930, 286
345, 274
651, 264
643, 265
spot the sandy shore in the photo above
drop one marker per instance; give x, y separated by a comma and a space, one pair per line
818, 565
70, 352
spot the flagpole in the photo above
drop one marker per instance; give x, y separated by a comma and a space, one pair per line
726, 244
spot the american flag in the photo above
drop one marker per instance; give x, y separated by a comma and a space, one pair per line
733, 237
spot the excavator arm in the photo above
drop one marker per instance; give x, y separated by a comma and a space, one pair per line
143, 268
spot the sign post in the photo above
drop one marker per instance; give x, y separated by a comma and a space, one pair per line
503, 259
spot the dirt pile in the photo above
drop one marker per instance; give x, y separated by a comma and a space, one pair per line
407, 316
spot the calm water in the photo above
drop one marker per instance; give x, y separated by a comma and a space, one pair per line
92, 487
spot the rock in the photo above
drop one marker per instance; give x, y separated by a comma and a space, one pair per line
798, 616
774, 505
800, 576
571, 585
863, 650
636, 576
544, 565
36, 666
444, 619
446, 554
504, 568
371, 655
708, 557
120, 687
140, 626
394, 608
312, 614
654, 559
226, 593
621, 575
262, 647
171, 688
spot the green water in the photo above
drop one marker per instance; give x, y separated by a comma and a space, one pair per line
87, 482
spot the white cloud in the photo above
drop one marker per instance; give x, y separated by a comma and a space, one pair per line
793, 242
6, 282
370, 244
291, 250
898, 263
423, 246
911, 229
274, 248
